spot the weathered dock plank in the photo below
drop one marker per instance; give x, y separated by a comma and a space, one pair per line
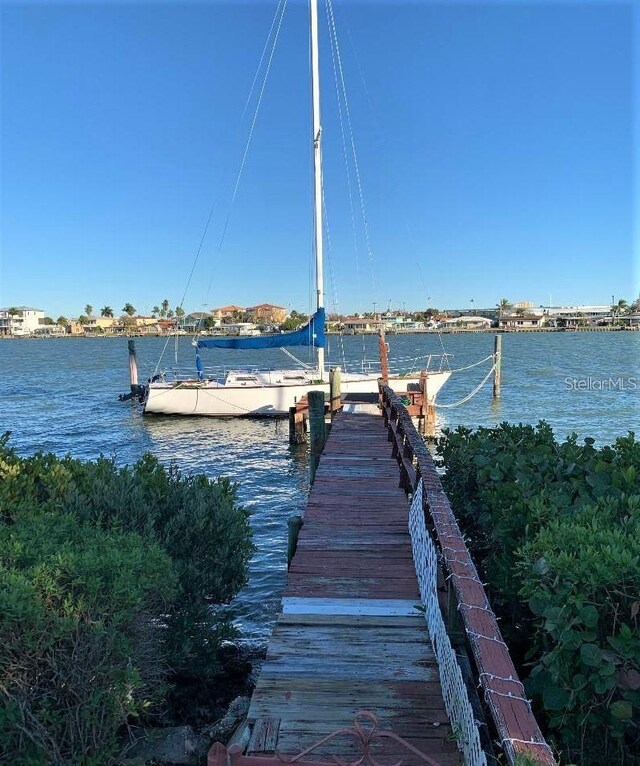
351, 636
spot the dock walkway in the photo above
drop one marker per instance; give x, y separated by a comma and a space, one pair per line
351, 635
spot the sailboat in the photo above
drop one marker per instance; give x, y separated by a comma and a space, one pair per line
252, 392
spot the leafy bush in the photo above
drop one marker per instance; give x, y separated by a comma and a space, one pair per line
108, 576
555, 529
581, 578
78, 654
195, 519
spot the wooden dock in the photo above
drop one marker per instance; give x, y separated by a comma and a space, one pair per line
351, 635
387, 650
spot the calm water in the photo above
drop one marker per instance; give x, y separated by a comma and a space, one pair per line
61, 396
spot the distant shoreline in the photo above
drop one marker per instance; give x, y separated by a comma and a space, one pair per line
448, 331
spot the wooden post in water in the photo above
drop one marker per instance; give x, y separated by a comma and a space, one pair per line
335, 395
298, 422
316, 430
294, 525
133, 366
497, 358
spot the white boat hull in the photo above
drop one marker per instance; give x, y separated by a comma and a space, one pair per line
215, 399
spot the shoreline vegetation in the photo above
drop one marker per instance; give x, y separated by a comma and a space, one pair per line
109, 578
446, 331
554, 529
269, 319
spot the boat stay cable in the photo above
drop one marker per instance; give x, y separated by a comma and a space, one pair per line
278, 16
248, 141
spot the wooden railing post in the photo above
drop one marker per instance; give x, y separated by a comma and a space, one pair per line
335, 395
384, 358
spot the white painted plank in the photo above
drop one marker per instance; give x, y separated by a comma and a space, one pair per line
390, 607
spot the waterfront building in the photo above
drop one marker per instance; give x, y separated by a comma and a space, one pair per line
267, 313
227, 312
20, 320
466, 322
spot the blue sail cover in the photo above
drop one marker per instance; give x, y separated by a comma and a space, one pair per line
312, 334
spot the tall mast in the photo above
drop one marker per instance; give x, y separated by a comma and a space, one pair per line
317, 168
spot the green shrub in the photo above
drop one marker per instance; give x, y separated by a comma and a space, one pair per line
118, 567
581, 578
195, 519
553, 527
78, 650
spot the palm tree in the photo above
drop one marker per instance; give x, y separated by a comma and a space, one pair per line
129, 309
62, 321
504, 305
106, 311
179, 311
169, 313
622, 306
520, 312
83, 319
618, 308
156, 310
88, 309
164, 307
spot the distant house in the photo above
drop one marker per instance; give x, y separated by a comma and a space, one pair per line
577, 316
99, 324
267, 313
143, 321
20, 320
467, 322
227, 312
194, 322
356, 324
241, 328
522, 321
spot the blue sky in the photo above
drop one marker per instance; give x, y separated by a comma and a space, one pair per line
497, 149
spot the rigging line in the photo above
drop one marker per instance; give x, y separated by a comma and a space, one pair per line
295, 359
424, 287
264, 50
475, 364
332, 281
381, 132
353, 147
164, 348
210, 216
249, 138
472, 394
346, 164
360, 72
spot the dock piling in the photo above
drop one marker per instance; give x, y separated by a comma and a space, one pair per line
294, 525
298, 424
497, 358
133, 366
317, 430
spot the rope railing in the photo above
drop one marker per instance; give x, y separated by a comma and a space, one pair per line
510, 711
